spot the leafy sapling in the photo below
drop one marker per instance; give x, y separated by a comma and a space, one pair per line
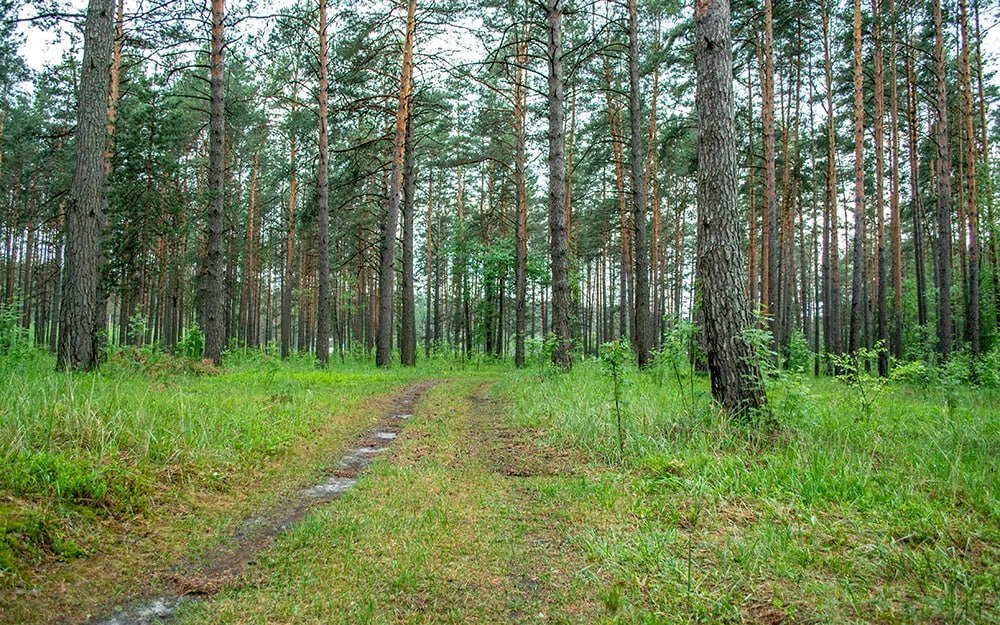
616, 356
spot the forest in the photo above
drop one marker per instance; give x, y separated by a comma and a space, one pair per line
499, 311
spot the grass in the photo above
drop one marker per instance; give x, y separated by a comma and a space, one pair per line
107, 476
508, 497
838, 517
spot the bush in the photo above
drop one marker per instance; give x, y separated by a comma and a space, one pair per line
193, 343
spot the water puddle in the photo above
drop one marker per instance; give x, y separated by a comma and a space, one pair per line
256, 533
331, 488
159, 610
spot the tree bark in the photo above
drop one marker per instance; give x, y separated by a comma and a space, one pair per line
212, 287
288, 281
78, 339
642, 338
858, 269
943, 160
323, 199
408, 331
383, 344
521, 201
971, 196
737, 383
878, 125
559, 244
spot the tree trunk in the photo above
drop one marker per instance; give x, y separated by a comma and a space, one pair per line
559, 244
737, 383
878, 125
323, 200
383, 347
521, 202
78, 348
858, 269
288, 280
915, 204
896, 239
213, 289
943, 160
769, 215
408, 333
642, 338
971, 198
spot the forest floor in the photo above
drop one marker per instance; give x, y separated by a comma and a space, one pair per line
506, 498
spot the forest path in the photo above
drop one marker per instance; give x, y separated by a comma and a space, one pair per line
465, 519
210, 573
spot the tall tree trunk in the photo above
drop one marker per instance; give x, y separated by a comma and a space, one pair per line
737, 383
944, 330
915, 204
78, 347
288, 280
559, 244
984, 154
431, 282
878, 125
383, 347
894, 217
769, 216
323, 199
831, 253
971, 197
642, 338
858, 315
212, 288
521, 202
408, 331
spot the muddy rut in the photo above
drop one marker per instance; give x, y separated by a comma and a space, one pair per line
219, 568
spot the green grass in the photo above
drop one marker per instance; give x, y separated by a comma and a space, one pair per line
837, 517
511, 501
152, 442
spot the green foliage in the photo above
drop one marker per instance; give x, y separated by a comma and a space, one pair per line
15, 342
798, 356
192, 344
855, 370
616, 357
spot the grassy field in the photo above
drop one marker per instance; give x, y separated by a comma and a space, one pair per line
510, 497
107, 477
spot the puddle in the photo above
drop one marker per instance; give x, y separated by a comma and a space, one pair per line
331, 488
256, 533
159, 610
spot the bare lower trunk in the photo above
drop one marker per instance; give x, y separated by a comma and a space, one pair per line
559, 245
642, 338
212, 287
408, 331
323, 201
737, 383
387, 261
79, 313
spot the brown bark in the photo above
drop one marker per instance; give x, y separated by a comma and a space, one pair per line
521, 203
858, 270
323, 199
212, 286
558, 243
78, 340
288, 279
383, 344
971, 197
894, 217
737, 383
943, 166
642, 336
878, 125
408, 329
